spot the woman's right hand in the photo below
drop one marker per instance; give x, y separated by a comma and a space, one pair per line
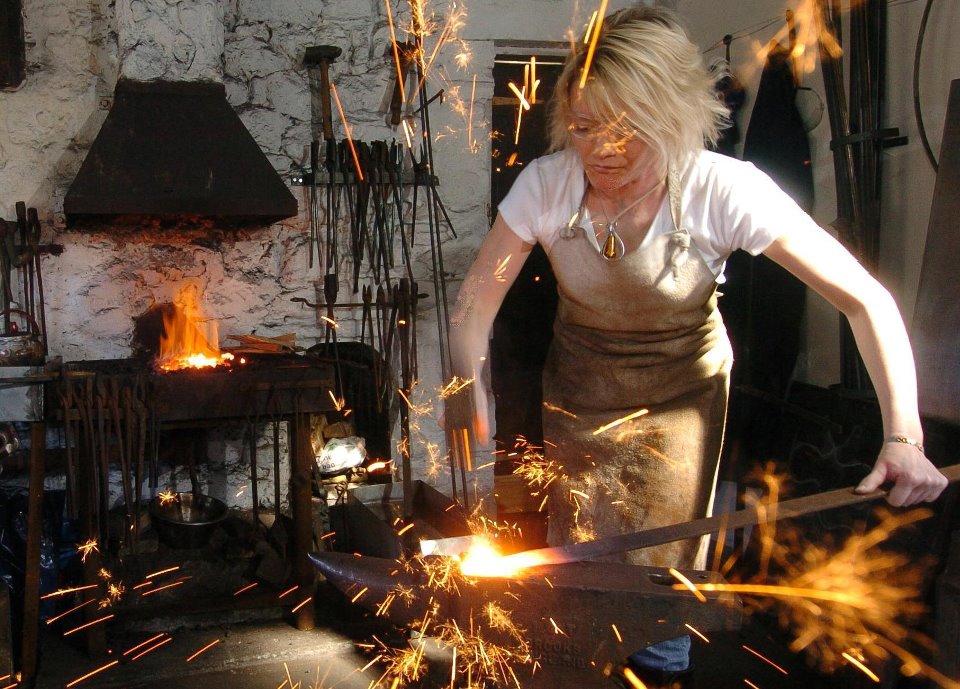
468, 409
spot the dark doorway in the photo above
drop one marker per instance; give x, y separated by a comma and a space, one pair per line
524, 326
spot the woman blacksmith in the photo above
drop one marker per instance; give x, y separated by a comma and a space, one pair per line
637, 220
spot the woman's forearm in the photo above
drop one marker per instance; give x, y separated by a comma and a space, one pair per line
885, 348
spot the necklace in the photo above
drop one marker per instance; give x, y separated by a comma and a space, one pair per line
613, 248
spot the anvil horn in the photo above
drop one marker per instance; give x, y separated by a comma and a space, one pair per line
377, 578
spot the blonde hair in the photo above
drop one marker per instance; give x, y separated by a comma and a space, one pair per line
647, 75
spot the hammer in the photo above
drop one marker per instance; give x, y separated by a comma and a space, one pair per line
321, 56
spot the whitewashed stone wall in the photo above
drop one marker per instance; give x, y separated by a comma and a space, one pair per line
76, 49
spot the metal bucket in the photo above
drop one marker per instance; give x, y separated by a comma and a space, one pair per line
188, 520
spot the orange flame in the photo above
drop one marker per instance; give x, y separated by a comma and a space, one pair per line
187, 340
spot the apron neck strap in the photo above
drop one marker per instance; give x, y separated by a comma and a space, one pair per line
673, 189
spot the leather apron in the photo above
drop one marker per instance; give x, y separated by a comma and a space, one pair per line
642, 332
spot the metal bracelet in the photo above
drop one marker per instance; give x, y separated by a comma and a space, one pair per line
906, 441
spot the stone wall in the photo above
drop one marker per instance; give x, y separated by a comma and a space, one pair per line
76, 49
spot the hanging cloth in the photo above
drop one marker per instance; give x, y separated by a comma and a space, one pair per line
763, 304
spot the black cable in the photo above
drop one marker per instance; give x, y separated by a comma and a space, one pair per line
918, 115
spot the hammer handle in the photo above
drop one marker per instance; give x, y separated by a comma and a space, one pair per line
326, 112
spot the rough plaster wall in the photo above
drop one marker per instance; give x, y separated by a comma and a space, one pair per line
245, 280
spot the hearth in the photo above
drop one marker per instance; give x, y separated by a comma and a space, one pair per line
113, 413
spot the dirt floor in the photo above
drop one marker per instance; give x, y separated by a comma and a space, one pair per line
266, 653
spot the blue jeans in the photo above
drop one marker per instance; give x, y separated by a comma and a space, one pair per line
672, 655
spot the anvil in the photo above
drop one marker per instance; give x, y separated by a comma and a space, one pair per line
580, 618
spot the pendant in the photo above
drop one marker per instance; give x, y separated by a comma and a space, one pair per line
613, 248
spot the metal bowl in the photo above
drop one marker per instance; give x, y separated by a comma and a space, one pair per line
186, 521
20, 350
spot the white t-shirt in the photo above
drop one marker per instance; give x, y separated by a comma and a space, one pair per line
726, 204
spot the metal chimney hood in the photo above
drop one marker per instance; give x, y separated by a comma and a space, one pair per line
175, 151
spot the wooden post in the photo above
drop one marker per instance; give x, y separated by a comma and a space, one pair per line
31, 586
301, 505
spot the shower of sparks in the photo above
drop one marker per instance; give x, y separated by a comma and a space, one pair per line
461, 447
338, 403
424, 26
812, 37
167, 496
765, 659
64, 592
92, 623
51, 620
153, 648
87, 548
203, 650
455, 385
396, 52
697, 632
593, 42
442, 574
144, 643
346, 130
501, 268
589, 31
554, 408
687, 584
632, 678
473, 95
534, 82
408, 134
522, 105
835, 599
859, 665
144, 594
478, 658
622, 420
521, 96
92, 673
115, 591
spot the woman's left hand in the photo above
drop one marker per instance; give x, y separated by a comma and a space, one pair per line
915, 479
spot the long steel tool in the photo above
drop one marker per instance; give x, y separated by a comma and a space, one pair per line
612, 545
